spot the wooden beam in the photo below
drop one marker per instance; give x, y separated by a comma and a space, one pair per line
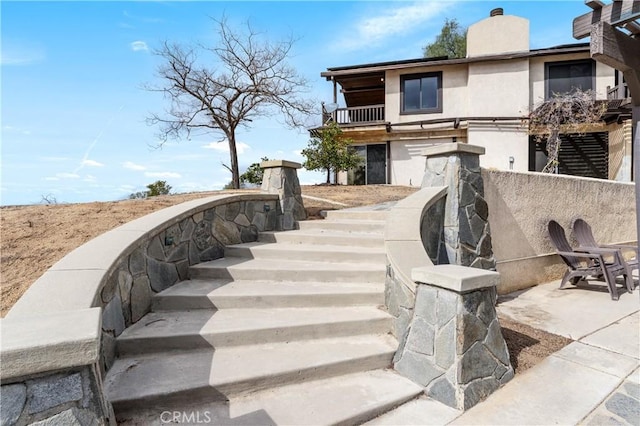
620, 51
633, 27
594, 4
619, 12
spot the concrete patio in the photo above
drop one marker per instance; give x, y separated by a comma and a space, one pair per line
594, 380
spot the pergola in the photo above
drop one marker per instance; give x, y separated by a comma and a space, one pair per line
615, 40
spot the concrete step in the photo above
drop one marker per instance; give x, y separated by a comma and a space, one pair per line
350, 226
353, 214
313, 252
288, 270
350, 399
225, 294
149, 382
419, 411
319, 238
202, 328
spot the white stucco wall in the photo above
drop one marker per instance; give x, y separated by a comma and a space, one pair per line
498, 88
498, 34
521, 205
407, 162
501, 140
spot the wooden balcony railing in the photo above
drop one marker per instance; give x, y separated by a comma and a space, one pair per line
356, 115
621, 91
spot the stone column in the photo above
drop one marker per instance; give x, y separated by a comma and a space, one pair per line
280, 177
454, 346
467, 236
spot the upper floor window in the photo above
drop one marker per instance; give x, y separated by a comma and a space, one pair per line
564, 77
421, 93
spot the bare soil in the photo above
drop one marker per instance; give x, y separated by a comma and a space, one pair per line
34, 237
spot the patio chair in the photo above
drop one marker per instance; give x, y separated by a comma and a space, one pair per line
584, 235
583, 263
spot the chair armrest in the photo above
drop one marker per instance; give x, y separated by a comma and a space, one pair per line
581, 254
616, 253
620, 246
597, 250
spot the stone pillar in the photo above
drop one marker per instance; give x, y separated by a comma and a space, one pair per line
280, 177
467, 236
454, 346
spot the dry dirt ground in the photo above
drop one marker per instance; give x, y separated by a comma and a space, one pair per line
35, 237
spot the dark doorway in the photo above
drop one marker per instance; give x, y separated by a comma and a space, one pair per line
376, 164
374, 167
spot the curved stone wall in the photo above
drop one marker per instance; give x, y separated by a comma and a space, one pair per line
406, 250
63, 328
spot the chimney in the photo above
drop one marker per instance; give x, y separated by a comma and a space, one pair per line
497, 36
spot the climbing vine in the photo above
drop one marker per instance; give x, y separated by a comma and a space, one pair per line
564, 113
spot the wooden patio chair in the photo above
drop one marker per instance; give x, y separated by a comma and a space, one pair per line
584, 235
583, 263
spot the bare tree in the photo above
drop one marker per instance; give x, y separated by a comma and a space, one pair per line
249, 78
567, 113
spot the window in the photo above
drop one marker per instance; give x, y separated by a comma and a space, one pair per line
421, 93
564, 77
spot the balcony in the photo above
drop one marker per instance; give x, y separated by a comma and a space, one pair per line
370, 114
621, 91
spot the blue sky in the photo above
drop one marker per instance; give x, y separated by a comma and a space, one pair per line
73, 108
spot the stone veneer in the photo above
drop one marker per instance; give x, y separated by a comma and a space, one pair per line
449, 337
454, 345
59, 338
466, 234
69, 397
280, 177
163, 260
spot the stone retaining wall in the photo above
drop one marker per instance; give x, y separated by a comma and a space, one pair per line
68, 397
107, 285
163, 260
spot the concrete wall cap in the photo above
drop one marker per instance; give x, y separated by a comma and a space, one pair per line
50, 342
280, 163
460, 279
452, 148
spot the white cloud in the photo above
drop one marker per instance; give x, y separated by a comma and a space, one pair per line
392, 22
54, 159
91, 163
51, 178
163, 175
223, 146
67, 175
133, 166
11, 129
139, 45
21, 54
90, 178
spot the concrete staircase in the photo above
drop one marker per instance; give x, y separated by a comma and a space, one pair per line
286, 330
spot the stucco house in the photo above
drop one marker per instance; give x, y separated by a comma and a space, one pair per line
395, 109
